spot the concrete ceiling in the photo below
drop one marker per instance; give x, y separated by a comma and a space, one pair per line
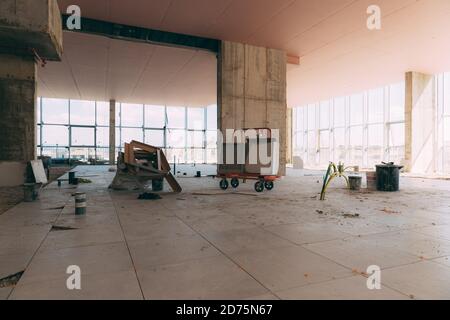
99, 68
339, 55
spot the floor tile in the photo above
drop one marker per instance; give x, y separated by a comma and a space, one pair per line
288, 267
211, 278
160, 251
423, 280
103, 286
352, 288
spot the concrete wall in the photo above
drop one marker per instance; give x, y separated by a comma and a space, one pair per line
252, 90
17, 116
420, 123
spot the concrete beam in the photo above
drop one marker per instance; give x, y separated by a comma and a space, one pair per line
31, 26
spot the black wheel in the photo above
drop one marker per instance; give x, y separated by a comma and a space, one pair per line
235, 183
269, 185
259, 186
224, 184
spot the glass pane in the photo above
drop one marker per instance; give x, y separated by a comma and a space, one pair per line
195, 139
83, 155
132, 115
375, 149
211, 156
155, 116
176, 155
324, 139
154, 138
102, 155
447, 93
325, 115
312, 117
299, 119
103, 113
397, 135
176, 117
38, 135
356, 146
195, 155
299, 143
376, 105
356, 109
56, 153
82, 112
339, 112
339, 144
176, 139
118, 138
102, 137
212, 117
55, 111
397, 102
130, 134
83, 136
211, 139
38, 110
55, 136
196, 118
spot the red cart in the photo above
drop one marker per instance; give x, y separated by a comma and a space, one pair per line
262, 181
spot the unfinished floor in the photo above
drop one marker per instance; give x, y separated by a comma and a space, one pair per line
210, 244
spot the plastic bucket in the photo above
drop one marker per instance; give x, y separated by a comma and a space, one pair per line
355, 182
388, 177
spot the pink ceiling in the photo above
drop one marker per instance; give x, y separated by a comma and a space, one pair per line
339, 55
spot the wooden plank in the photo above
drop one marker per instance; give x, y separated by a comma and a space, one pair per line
143, 146
173, 183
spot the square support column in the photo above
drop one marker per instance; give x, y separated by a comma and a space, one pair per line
252, 90
112, 132
420, 123
17, 117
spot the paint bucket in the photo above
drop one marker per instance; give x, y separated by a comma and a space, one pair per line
29, 192
355, 182
72, 179
388, 177
80, 203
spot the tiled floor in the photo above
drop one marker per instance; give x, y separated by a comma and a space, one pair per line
209, 244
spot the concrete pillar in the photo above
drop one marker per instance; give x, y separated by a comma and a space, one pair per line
420, 123
28, 29
252, 90
17, 117
112, 132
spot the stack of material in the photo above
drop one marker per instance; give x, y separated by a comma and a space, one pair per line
141, 163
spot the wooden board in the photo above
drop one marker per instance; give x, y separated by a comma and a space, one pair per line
39, 172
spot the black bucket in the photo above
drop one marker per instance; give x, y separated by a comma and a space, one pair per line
388, 177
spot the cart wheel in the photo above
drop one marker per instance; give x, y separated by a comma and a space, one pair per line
224, 184
269, 185
235, 183
259, 186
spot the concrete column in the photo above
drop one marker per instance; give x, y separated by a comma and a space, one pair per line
420, 123
112, 132
17, 117
252, 90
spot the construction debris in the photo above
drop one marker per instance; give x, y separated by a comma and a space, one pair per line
351, 215
140, 164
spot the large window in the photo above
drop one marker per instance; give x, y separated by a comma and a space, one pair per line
188, 135
443, 122
73, 129
363, 129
